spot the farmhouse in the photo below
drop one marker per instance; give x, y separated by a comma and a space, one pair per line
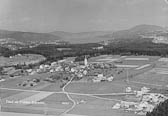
146, 103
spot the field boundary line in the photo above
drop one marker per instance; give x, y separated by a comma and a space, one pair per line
145, 83
30, 90
69, 92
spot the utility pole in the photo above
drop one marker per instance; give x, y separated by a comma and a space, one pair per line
0, 105
45, 109
127, 76
0, 101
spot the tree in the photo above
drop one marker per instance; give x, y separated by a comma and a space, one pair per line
160, 110
1, 70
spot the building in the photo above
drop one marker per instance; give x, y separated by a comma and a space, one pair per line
85, 61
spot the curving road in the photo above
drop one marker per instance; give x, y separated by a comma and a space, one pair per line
69, 97
80, 94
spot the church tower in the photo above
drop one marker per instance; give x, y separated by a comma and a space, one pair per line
85, 61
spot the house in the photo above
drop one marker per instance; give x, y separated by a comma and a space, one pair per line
18, 72
98, 48
110, 78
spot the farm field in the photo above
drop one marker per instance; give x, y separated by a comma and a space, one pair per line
91, 99
96, 107
156, 76
125, 59
21, 59
13, 83
100, 88
36, 102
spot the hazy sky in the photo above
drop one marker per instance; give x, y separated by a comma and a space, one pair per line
80, 15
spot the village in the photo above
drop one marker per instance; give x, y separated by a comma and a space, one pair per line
103, 69
142, 102
61, 70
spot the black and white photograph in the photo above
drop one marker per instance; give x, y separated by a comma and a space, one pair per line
83, 57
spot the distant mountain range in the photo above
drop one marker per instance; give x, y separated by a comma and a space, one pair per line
136, 32
83, 37
28, 36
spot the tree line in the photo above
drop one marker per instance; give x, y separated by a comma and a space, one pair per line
79, 50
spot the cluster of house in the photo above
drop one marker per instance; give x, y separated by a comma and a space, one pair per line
146, 103
2, 79
21, 59
29, 83
11, 44
76, 69
160, 39
12, 72
101, 77
26, 59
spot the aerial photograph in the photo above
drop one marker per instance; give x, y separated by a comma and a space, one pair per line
83, 57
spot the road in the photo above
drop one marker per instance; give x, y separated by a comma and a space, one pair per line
69, 97
143, 83
70, 93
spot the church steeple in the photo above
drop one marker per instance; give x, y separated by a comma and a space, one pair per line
85, 61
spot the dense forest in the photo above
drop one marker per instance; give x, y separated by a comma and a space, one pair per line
51, 52
160, 110
138, 47
123, 47
3, 50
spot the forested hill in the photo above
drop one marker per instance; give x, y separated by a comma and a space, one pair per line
28, 36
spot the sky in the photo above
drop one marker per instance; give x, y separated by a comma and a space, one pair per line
80, 15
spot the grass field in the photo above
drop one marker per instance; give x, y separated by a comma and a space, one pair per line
101, 88
21, 59
152, 77
148, 72
97, 107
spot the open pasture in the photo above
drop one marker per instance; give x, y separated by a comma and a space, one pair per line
97, 107
34, 109
117, 86
125, 61
11, 92
155, 77
140, 73
137, 59
19, 96
93, 88
138, 63
104, 58
143, 66
142, 58
152, 78
58, 101
42, 85
37, 97
36, 102
131, 65
21, 59
160, 71
6, 93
